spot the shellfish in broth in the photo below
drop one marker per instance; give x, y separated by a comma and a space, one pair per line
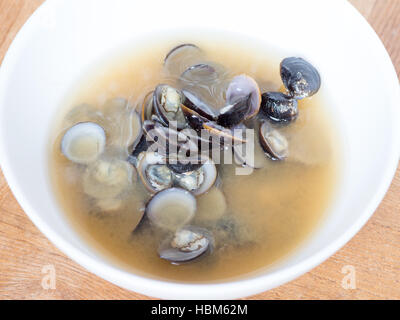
179, 162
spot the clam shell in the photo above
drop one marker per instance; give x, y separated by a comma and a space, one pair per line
243, 99
300, 77
84, 142
279, 107
188, 243
171, 208
273, 142
145, 161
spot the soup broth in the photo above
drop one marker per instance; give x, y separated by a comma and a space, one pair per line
256, 219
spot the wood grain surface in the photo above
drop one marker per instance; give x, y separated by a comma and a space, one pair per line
374, 252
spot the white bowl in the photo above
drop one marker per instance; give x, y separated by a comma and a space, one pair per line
64, 37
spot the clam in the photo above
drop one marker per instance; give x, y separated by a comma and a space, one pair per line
279, 107
187, 244
190, 164
190, 180
200, 180
273, 142
108, 179
233, 114
182, 49
167, 105
196, 104
199, 73
179, 58
140, 147
194, 119
243, 99
84, 142
208, 81
153, 172
300, 77
196, 111
171, 208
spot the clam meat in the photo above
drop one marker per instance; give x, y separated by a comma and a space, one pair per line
167, 105
153, 171
187, 244
273, 142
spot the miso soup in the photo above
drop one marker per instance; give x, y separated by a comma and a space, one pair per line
204, 222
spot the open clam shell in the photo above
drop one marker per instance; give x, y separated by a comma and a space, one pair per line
196, 104
84, 142
243, 100
153, 172
171, 208
273, 142
200, 179
179, 58
199, 73
188, 243
184, 49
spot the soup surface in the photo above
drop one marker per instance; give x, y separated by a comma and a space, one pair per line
256, 219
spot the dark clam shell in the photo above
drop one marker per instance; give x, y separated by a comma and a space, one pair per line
279, 107
141, 146
300, 77
180, 167
193, 102
190, 164
243, 99
234, 114
194, 119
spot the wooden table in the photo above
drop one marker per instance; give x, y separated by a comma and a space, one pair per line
374, 251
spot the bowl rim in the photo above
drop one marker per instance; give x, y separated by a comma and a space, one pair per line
176, 290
